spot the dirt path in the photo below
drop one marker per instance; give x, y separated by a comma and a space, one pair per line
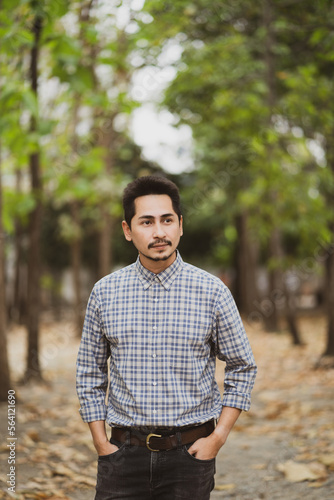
287, 436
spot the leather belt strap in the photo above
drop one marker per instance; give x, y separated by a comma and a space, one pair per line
158, 442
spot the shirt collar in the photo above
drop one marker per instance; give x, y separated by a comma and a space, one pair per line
166, 277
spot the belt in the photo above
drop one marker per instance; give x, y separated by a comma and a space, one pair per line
158, 442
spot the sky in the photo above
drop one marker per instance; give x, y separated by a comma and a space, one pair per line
161, 142
153, 129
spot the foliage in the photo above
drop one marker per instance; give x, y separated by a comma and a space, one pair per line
256, 91
251, 155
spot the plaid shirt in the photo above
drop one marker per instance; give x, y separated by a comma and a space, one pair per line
162, 333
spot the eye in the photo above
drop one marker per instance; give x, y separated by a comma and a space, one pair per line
146, 223
168, 220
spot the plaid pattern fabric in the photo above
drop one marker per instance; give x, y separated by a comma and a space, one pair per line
162, 333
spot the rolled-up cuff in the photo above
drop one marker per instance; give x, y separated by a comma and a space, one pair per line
93, 413
239, 401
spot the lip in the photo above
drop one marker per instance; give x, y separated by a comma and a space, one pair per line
164, 245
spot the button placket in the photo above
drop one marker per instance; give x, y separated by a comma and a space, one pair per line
154, 356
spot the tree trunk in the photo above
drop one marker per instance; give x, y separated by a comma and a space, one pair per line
268, 22
4, 365
271, 319
76, 241
275, 281
56, 295
105, 235
330, 301
19, 298
246, 290
76, 268
33, 370
290, 314
106, 230
279, 290
330, 261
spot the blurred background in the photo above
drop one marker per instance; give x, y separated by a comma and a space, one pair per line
231, 100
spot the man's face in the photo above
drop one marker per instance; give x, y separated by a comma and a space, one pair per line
155, 231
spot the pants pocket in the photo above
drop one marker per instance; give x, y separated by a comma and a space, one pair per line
186, 452
111, 456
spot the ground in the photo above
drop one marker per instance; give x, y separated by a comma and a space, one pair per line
282, 449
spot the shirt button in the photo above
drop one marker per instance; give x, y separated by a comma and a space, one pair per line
154, 355
155, 383
155, 411
154, 328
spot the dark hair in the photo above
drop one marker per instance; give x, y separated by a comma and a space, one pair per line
150, 184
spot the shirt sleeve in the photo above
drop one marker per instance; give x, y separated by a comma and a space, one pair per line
92, 366
233, 347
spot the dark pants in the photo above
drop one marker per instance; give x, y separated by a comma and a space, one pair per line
136, 473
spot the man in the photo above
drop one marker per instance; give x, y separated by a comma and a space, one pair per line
162, 323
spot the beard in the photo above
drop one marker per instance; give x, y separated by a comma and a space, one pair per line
157, 259
163, 257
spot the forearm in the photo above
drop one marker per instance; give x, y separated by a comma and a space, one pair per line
100, 438
227, 419
98, 431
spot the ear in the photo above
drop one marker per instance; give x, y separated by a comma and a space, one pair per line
126, 231
181, 225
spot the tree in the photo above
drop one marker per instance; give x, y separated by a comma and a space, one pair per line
4, 365
242, 133
197, 96
33, 369
89, 182
21, 139
309, 105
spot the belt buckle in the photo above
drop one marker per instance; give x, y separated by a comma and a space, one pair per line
148, 437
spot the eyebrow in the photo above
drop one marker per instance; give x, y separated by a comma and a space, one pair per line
152, 217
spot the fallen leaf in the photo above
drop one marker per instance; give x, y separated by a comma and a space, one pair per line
61, 470
224, 487
33, 495
317, 484
297, 472
33, 435
35, 485
307, 456
259, 466
27, 441
89, 481
297, 401
61, 431
328, 460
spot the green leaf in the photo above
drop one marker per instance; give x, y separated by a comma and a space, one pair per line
30, 102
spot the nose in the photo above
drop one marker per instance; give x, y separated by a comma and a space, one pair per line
159, 231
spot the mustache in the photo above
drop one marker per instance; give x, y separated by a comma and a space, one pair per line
159, 242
